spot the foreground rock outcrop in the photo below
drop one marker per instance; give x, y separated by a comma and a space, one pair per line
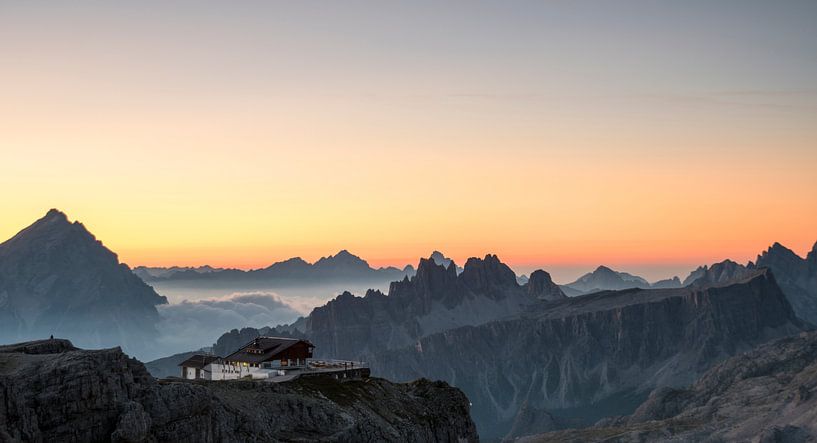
598, 355
767, 395
51, 391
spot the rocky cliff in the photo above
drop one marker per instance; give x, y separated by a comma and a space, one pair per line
51, 391
766, 395
588, 357
56, 278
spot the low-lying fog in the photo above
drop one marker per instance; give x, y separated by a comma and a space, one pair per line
197, 317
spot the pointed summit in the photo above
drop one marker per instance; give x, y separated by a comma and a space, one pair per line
54, 214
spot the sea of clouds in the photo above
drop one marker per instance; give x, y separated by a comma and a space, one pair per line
190, 325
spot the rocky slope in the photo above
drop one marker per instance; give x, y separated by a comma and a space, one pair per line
56, 278
592, 356
766, 395
50, 391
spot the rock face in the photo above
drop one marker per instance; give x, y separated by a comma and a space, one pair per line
541, 287
76, 395
604, 278
587, 357
433, 300
56, 278
766, 395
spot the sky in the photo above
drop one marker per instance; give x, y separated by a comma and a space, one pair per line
651, 136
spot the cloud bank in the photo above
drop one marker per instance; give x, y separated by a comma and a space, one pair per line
190, 325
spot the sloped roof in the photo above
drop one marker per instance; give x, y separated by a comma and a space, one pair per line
269, 347
198, 361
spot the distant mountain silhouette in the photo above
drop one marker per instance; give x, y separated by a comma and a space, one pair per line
56, 278
604, 278
343, 266
149, 272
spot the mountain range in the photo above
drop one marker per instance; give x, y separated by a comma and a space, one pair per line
343, 266
529, 358
545, 355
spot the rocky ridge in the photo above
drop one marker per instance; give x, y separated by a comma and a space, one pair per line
51, 391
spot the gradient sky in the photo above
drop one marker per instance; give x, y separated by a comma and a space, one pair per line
650, 136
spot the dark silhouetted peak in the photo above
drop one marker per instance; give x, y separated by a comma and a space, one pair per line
434, 277
431, 282
487, 275
540, 286
604, 278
